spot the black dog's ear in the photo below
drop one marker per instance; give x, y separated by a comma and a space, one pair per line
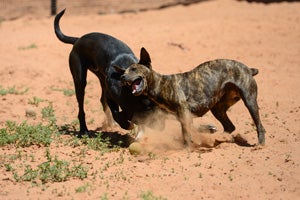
119, 69
145, 58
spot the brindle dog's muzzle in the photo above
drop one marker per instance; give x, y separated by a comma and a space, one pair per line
135, 83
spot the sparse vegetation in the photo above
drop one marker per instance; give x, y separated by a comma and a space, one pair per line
12, 90
66, 92
53, 170
48, 114
83, 188
35, 101
24, 135
148, 195
43, 135
30, 46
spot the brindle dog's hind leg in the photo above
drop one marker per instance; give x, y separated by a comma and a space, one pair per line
219, 111
250, 100
230, 97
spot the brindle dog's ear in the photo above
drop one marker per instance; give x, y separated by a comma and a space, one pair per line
145, 58
119, 69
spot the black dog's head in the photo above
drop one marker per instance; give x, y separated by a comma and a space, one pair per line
136, 75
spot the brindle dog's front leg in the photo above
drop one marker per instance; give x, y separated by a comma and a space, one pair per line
185, 119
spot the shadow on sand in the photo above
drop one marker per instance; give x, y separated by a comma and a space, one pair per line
113, 138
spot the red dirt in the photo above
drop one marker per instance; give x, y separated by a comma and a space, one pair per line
263, 36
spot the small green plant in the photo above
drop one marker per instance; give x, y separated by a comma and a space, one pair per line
270, 173
48, 113
97, 143
83, 188
149, 196
69, 92
35, 101
8, 167
104, 197
152, 155
29, 174
31, 46
66, 92
11, 90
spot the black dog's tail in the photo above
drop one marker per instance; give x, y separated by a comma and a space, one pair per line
254, 71
59, 34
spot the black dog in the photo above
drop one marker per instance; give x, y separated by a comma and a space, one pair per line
214, 85
98, 52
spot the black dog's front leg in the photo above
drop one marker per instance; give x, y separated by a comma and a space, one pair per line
122, 117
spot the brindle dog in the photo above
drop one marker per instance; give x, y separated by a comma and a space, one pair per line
214, 85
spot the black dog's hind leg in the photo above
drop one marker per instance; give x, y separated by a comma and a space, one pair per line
79, 73
108, 121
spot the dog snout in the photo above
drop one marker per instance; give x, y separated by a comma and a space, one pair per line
123, 79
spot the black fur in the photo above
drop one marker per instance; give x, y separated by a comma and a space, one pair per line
98, 52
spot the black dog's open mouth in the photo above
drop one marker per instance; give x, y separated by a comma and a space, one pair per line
137, 86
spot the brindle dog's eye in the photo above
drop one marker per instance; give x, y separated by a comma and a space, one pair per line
133, 69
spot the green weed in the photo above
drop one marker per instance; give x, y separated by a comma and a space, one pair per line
8, 167
53, 170
48, 113
152, 155
31, 46
83, 188
35, 101
24, 135
66, 92
12, 90
104, 197
97, 143
149, 196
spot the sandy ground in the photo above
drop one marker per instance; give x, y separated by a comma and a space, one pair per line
266, 37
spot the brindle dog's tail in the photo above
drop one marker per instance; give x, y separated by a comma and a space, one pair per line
59, 34
254, 71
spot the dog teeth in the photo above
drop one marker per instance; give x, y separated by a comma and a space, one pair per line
134, 89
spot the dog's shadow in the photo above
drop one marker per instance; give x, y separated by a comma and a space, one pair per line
112, 138
213, 139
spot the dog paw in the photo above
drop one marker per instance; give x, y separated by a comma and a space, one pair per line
80, 134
